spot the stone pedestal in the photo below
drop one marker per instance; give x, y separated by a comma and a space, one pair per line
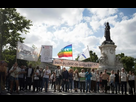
108, 58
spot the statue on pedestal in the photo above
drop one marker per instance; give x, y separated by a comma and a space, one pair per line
107, 32
107, 35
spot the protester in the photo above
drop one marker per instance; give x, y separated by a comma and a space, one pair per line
58, 78
130, 82
29, 74
51, 80
93, 81
25, 83
41, 79
97, 80
88, 76
21, 77
4, 74
70, 79
8, 80
105, 78
117, 83
133, 82
36, 79
76, 80
65, 76
14, 77
112, 81
100, 81
54, 81
46, 72
82, 80
61, 81
123, 79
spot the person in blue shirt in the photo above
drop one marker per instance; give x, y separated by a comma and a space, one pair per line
88, 76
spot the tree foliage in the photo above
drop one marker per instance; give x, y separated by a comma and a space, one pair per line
12, 24
127, 61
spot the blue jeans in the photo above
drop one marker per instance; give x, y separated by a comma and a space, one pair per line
97, 86
70, 83
117, 84
88, 82
45, 80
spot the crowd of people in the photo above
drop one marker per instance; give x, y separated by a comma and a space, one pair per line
28, 78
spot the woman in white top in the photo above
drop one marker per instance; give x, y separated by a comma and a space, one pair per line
14, 71
112, 81
97, 80
76, 79
129, 78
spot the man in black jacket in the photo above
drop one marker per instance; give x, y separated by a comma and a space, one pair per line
29, 73
65, 77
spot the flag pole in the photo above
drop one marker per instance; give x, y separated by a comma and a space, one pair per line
89, 52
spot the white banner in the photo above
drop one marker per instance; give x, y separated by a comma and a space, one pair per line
46, 53
73, 63
27, 53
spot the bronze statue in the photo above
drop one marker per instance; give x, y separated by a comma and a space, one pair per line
107, 35
107, 32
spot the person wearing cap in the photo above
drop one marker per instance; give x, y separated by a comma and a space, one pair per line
123, 80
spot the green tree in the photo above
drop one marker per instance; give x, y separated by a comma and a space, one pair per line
93, 57
12, 24
127, 61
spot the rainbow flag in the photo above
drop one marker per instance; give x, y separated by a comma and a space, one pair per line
66, 52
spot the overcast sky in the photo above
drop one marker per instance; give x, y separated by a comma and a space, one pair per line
80, 27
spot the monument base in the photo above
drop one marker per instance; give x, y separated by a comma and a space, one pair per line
109, 68
108, 59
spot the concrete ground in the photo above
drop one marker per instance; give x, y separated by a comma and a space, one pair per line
51, 92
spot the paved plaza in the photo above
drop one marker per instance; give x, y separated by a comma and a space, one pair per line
51, 92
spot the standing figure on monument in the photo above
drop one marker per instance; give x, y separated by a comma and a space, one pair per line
107, 32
